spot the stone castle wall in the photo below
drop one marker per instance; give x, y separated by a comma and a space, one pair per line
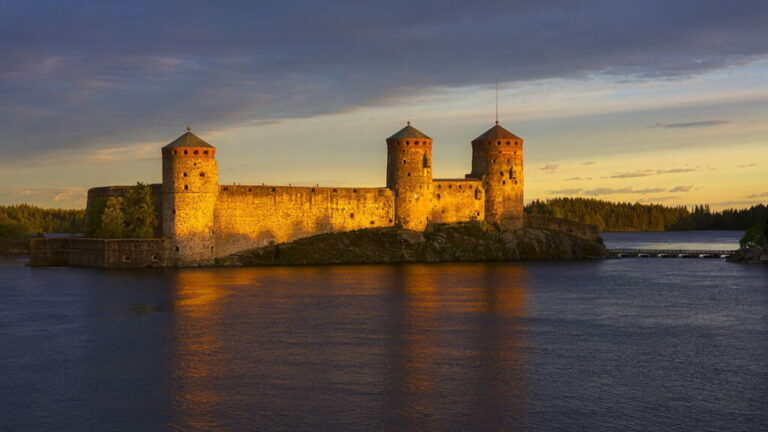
457, 201
252, 216
104, 253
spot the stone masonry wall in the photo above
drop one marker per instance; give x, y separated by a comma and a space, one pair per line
104, 253
457, 201
252, 216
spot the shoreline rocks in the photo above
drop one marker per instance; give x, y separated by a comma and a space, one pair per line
460, 242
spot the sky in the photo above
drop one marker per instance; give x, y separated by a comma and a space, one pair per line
653, 101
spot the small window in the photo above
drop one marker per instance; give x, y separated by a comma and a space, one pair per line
450, 186
274, 190
184, 174
498, 143
477, 194
185, 152
177, 248
373, 223
407, 143
202, 174
334, 190
226, 189
186, 187
354, 190
205, 152
504, 182
501, 173
195, 152
403, 161
507, 142
409, 174
351, 215
174, 152
155, 258
126, 259
438, 196
250, 189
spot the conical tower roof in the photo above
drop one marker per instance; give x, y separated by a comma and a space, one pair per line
497, 133
409, 132
188, 140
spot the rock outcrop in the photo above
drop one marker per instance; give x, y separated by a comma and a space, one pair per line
750, 256
469, 241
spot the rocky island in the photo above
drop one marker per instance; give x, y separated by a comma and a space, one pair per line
468, 241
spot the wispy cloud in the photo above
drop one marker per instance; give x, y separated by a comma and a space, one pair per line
565, 191
67, 197
681, 188
762, 195
693, 124
550, 168
626, 190
649, 172
589, 163
746, 165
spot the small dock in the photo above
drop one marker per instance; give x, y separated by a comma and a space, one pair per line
670, 253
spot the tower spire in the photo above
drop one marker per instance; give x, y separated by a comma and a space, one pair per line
497, 101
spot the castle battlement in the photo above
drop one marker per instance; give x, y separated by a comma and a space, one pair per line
205, 220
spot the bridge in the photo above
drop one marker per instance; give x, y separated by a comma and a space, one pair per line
671, 253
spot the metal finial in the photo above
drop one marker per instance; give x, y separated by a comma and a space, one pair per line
189, 128
408, 122
497, 101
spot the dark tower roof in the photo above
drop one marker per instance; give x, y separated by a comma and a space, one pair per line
188, 140
497, 133
408, 132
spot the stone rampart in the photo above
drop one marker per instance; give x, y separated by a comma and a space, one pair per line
253, 216
457, 200
104, 253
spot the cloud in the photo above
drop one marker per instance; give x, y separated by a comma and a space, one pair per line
648, 172
573, 179
631, 174
762, 195
681, 188
76, 76
65, 197
746, 165
626, 190
565, 191
589, 163
550, 168
694, 124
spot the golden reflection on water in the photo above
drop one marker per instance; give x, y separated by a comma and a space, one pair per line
418, 346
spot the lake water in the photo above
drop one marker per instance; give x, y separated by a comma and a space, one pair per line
622, 344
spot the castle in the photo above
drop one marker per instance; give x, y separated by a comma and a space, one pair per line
205, 220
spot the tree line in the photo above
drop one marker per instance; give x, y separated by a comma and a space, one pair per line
23, 220
624, 216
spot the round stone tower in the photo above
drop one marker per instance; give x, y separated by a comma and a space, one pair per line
190, 190
409, 176
497, 160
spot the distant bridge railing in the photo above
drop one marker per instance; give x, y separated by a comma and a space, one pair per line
671, 253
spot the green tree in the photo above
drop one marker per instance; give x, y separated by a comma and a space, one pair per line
112, 220
139, 211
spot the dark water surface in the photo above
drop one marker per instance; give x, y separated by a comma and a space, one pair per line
625, 344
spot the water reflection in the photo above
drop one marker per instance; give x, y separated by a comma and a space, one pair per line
408, 347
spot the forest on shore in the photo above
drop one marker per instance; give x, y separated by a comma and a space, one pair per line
23, 220
624, 216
